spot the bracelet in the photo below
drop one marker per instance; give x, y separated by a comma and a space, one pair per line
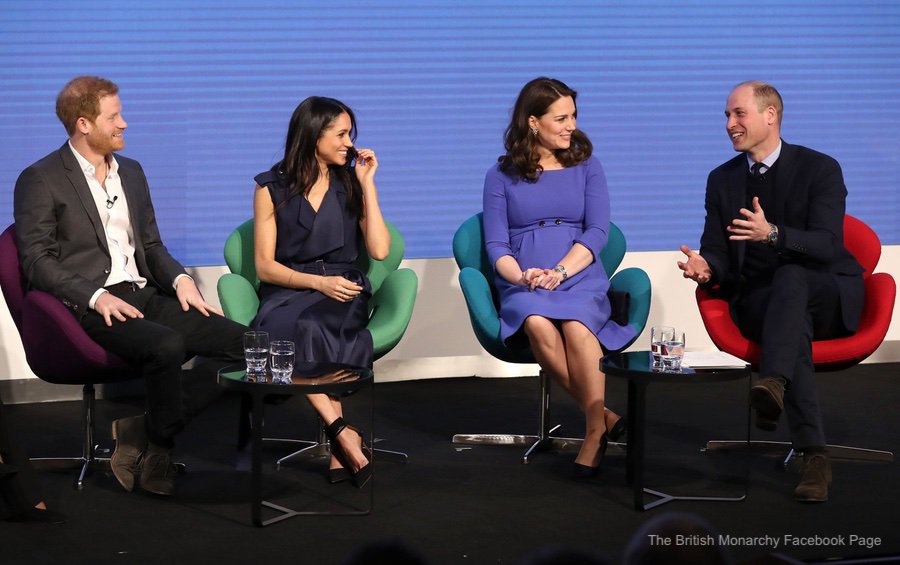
290, 278
561, 270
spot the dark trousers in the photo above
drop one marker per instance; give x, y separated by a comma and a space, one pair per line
19, 491
784, 316
158, 345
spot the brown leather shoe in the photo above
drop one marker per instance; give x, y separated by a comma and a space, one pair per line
767, 398
816, 477
131, 441
157, 471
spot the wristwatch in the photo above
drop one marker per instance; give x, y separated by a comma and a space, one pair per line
561, 270
772, 239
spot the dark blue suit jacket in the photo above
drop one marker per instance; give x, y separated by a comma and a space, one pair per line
809, 211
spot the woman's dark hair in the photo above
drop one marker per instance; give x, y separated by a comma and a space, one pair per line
522, 157
299, 166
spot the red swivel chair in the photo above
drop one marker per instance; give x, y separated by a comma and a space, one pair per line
829, 354
58, 351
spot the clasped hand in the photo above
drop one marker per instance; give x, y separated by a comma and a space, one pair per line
547, 279
339, 288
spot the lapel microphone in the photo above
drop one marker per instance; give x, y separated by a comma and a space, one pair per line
111, 203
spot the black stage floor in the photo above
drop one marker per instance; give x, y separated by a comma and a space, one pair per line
476, 505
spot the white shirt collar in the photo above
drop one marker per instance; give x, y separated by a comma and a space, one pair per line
89, 169
768, 161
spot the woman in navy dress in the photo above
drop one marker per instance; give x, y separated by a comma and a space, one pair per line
309, 212
546, 219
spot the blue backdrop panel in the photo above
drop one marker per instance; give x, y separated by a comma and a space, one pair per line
208, 87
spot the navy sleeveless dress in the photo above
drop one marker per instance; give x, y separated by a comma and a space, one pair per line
324, 243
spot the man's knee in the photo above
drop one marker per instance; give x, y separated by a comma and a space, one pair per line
790, 277
168, 349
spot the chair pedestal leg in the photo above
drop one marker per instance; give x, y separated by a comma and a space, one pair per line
543, 441
89, 449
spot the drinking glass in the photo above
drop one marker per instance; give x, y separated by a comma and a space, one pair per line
659, 335
256, 352
673, 353
281, 361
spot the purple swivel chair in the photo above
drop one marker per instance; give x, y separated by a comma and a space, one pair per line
58, 350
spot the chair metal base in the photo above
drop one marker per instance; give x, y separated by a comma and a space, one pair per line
543, 441
93, 457
321, 449
779, 448
664, 498
89, 451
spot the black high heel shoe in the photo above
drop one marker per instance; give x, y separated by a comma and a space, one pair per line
580, 471
338, 475
618, 429
364, 473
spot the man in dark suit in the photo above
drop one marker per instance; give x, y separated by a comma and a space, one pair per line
773, 242
87, 234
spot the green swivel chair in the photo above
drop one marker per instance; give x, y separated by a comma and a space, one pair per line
391, 306
476, 278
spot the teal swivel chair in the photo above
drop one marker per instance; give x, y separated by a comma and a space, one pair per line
390, 308
476, 278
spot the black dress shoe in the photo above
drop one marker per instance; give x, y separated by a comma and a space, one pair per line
38, 516
333, 430
580, 471
618, 429
338, 475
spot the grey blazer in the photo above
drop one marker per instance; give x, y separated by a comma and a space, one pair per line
62, 245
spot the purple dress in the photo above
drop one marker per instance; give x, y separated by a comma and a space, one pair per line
537, 223
323, 242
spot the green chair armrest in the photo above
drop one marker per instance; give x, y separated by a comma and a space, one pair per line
392, 308
238, 298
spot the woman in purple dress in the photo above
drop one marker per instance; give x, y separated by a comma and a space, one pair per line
309, 212
546, 219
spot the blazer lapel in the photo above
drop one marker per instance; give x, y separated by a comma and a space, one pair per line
783, 181
736, 191
80, 185
131, 199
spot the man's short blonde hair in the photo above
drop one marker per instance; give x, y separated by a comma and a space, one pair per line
766, 95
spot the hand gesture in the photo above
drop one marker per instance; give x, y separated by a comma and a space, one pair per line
695, 268
366, 165
189, 295
110, 306
754, 228
339, 288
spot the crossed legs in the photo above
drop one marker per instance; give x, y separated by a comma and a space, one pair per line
571, 353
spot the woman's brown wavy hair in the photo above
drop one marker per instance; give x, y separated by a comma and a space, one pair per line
522, 157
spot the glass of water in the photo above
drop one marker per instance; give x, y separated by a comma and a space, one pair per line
281, 361
659, 335
673, 353
256, 352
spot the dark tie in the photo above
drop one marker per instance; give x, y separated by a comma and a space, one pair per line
756, 170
